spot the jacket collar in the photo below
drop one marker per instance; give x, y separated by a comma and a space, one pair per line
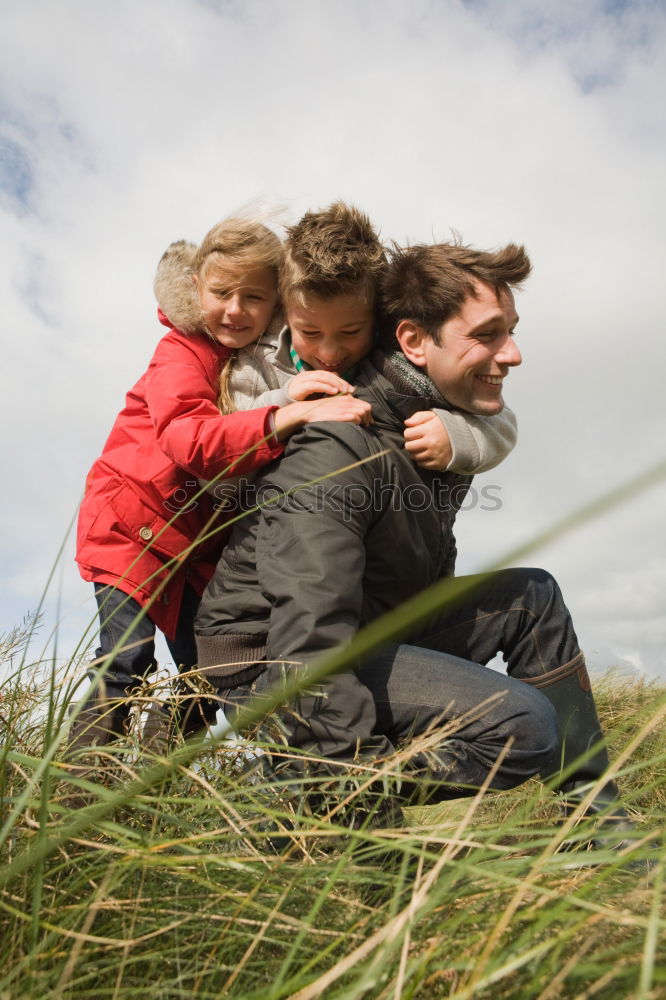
405, 388
203, 336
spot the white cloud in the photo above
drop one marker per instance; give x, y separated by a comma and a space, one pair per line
129, 125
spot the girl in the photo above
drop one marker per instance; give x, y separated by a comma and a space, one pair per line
146, 539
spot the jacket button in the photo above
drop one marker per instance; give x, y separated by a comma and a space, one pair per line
145, 533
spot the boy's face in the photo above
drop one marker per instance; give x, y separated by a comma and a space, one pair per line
237, 307
331, 334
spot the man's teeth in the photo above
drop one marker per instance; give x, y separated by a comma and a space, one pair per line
492, 379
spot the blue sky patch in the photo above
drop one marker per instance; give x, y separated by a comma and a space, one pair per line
16, 174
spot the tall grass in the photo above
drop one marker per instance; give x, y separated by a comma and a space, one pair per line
176, 892
168, 883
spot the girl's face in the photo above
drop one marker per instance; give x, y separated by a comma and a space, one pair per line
237, 306
331, 335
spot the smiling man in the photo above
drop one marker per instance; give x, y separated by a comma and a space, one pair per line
469, 357
453, 315
303, 575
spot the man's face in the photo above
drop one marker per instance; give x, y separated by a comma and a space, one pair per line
331, 334
475, 352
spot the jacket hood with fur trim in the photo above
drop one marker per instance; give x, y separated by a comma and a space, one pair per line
175, 288
177, 296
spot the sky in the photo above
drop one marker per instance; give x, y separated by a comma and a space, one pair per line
124, 126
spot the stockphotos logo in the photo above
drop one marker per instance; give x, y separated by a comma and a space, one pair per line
346, 499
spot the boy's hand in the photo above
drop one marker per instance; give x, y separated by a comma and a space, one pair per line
427, 440
309, 383
345, 408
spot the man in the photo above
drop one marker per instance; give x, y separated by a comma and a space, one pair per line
301, 575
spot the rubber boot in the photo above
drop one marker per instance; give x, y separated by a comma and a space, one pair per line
101, 721
582, 745
158, 729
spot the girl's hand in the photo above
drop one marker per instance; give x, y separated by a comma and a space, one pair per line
345, 408
427, 440
308, 383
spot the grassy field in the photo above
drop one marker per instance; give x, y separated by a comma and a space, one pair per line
166, 885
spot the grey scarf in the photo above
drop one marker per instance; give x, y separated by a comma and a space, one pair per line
406, 378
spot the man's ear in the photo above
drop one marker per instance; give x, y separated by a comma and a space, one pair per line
411, 338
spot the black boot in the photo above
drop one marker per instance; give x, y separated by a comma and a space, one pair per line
196, 715
582, 745
165, 719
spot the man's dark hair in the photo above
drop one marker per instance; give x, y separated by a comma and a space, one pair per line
428, 283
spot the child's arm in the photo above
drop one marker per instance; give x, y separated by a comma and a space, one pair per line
460, 442
343, 407
311, 383
296, 388
181, 400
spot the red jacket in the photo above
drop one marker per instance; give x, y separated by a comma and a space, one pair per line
139, 509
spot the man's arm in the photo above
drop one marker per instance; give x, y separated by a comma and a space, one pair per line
310, 561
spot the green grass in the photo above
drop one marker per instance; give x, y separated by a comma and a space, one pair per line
172, 890
165, 886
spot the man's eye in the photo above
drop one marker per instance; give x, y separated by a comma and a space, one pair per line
350, 333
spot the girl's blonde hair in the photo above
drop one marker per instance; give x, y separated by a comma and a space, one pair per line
224, 399
237, 244
243, 244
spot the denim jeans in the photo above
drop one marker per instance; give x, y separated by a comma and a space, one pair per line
438, 683
519, 613
117, 613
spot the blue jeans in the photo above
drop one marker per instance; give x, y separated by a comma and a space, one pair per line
439, 682
519, 613
117, 613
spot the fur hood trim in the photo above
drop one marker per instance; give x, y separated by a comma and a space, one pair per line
175, 290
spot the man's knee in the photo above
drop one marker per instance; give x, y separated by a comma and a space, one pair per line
535, 732
536, 588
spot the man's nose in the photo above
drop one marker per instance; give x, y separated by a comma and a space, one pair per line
509, 353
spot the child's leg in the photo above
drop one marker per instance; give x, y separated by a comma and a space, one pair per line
119, 613
196, 713
104, 716
182, 647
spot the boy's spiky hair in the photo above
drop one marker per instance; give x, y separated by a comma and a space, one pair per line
332, 252
428, 283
